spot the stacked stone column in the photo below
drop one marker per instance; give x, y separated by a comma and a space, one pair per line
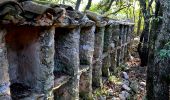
118, 48
46, 51
107, 50
115, 44
97, 57
126, 47
87, 38
123, 44
4, 76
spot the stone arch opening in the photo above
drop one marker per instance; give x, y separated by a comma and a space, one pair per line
30, 54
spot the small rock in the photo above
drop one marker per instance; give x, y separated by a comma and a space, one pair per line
110, 92
124, 95
124, 86
125, 75
134, 86
143, 83
102, 97
112, 45
115, 98
4, 88
141, 88
121, 96
126, 82
5, 97
94, 98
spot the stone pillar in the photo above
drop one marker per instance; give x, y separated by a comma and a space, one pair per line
115, 41
67, 59
126, 49
45, 77
106, 51
129, 37
87, 38
97, 59
4, 76
119, 47
123, 44
86, 85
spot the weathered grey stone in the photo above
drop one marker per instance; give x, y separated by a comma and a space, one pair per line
118, 46
107, 49
142, 83
67, 59
85, 87
124, 95
107, 38
123, 44
73, 88
46, 76
35, 96
115, 38
124, 86
106, 65
87, 38
97, 75
97, 59
125, 75
31, 58
4, 76
110, 92
126, 82
102, 97
69, 91
134, 86
67, 50
5, 97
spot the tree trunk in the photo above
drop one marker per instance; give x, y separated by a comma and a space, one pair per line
139, 23
158, 67
155, 29
162, 62
88, 5
63, 1
77, 4
143, 49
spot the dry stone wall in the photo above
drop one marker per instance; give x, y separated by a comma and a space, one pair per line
55, 52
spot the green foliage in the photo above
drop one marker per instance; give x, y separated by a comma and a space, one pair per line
114, 79
123, 67
165, 52
99, 92
120, 9
157, 18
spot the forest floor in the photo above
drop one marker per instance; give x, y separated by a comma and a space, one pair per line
129, 84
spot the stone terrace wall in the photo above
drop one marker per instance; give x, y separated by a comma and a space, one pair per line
55, 52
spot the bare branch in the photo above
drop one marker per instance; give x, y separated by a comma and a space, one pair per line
121, 8
88, 5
